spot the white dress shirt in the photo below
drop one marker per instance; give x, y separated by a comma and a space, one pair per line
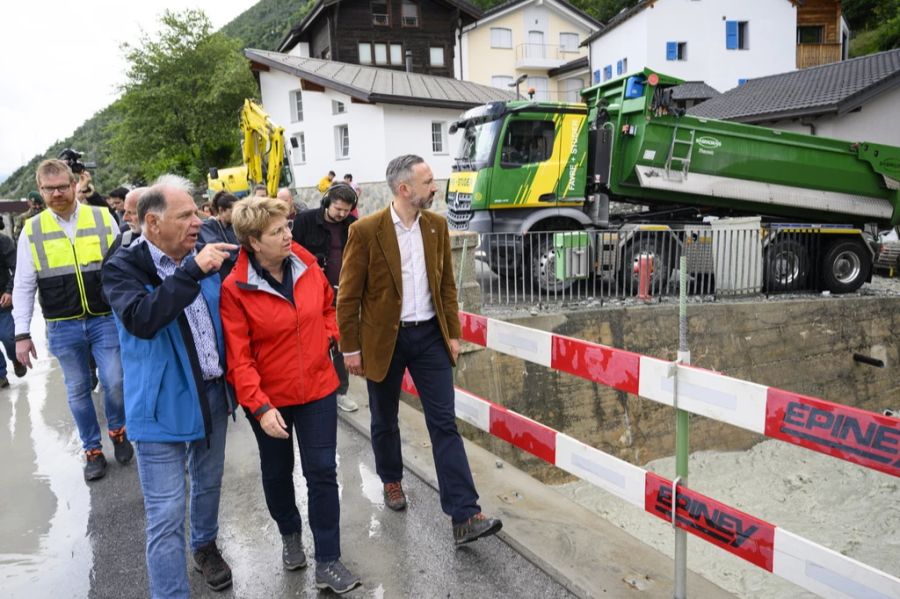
417, 303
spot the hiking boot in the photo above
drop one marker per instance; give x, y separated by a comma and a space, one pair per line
394, 497
4, 382
121, 445
95, 464
209, 562
335, 576
19, 368
475, 527
346, 404
292, 551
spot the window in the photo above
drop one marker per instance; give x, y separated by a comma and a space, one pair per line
365, 53
596, 77
409, 14
535, 46
437, 137
501, 37
338, 107
501, 81
380, 13
540, 86
736, 35
810, 34
341, 141
607, 72
622, 66
568, 42
298, 146
527, 142
381, 54
573, 88
676, 50
396, 54
296, 106
436, 56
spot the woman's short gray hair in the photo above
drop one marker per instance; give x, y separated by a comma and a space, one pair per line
154, 200
399, 170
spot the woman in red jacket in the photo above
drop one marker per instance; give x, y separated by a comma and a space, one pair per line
279, 325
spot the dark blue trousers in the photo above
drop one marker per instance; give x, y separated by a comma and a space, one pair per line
421, 350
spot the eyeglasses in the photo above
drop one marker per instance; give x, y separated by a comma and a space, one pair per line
50, 189
280, 231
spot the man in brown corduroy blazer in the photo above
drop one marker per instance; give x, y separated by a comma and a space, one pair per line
397, 310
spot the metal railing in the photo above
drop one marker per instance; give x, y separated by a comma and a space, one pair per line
642, 262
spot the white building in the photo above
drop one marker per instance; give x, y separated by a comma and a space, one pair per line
720, 42
349, 118
856, 100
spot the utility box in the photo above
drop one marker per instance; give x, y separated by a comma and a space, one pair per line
738, 255
572, 249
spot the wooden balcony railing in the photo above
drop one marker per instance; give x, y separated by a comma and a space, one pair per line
813, 55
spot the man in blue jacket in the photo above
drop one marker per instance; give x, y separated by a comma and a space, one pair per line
165, 297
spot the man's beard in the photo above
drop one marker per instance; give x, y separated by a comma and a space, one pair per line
423, 203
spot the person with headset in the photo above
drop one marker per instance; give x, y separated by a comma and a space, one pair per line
323, 233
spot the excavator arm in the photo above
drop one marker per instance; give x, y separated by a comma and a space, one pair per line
263, 147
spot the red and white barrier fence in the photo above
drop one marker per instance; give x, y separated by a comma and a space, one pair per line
850, 434
803, 562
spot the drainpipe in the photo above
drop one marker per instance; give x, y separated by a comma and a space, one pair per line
811, 125
409, 61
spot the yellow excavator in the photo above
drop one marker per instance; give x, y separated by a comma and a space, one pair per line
265, 163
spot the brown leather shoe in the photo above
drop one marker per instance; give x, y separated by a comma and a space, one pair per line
394, 497
475, 527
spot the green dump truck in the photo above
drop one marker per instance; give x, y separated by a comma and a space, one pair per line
527, 166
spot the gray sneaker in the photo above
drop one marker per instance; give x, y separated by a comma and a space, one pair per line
335, 576
346, 404
292, 551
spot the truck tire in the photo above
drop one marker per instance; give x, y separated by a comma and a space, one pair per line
846, 266
786, 267
543, 267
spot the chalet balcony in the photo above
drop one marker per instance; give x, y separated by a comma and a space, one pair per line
813, 55
543, 56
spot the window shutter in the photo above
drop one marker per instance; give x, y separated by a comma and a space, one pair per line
597, 76
671, 50
618, 67
731, 35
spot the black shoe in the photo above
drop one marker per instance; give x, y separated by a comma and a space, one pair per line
335, 576
292, 551
394, 497
475, 527
208, 560
19, 368
121, 446
95, 464
4, 382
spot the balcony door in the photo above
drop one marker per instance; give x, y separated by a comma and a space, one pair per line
535, 47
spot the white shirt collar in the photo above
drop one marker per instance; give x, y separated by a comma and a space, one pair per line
396, 218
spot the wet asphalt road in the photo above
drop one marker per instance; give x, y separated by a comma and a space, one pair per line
60, 537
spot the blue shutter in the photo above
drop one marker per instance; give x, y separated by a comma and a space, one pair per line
671, 50
742, 81
607, 72
619, 67
731, 35
597, 76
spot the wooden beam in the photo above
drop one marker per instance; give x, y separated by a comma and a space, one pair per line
258, 66
309, 86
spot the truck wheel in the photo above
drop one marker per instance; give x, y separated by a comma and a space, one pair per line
787, 266
543, 268
846, 267
662, 265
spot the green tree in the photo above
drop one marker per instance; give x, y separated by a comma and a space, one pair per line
183, 93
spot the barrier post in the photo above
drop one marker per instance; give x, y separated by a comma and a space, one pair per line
645, 269
682, 437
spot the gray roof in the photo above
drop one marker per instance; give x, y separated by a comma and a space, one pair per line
829, 89
694, 90
386, 86
579, 64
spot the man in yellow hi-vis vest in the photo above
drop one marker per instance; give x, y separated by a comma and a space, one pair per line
59, 255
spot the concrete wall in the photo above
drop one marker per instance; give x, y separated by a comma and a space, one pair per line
800, 345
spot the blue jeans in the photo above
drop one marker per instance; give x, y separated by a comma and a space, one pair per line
72, 342
161, 469
421, 349
315, 424
7, 334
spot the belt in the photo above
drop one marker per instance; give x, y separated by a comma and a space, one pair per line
405, 324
